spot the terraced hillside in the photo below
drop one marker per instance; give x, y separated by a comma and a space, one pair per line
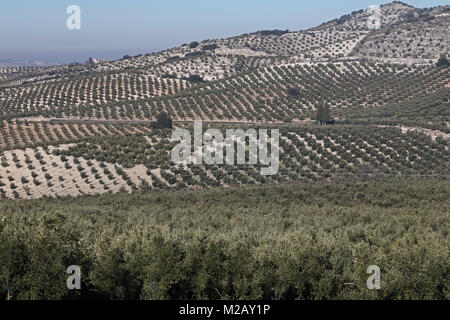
87, 128
289, 92
218, 58
119, 159
422, 35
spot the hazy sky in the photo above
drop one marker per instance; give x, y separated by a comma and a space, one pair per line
36, 29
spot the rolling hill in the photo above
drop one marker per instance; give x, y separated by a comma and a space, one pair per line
85, 128
363, 114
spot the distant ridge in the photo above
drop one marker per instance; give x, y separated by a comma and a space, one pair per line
25, 63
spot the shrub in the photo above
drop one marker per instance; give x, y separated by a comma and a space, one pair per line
193, 44
443, 62
210, 46
195, 78
163, 121
293, 92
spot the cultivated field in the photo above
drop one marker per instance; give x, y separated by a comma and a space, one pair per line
364, 119
291, 241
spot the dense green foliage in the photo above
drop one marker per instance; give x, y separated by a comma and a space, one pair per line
305, 241
163, 121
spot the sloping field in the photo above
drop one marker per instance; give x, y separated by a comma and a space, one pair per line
130, 161
279, 93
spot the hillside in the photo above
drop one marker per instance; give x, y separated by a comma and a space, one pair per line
420, 36
272, 165
86, 128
